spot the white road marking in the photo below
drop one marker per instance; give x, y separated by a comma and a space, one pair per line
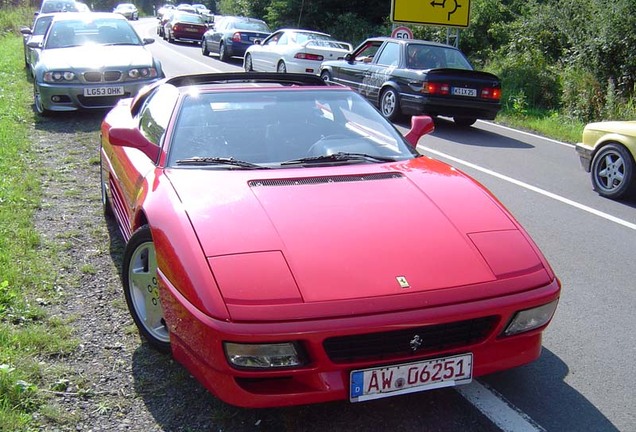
533, 188
493, 405
528, 134
195, 61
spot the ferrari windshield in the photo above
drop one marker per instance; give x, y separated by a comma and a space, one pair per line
102, 31
284, 128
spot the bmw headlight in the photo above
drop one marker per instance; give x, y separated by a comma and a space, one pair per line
142, 73
59, 76
263, 356
531, 319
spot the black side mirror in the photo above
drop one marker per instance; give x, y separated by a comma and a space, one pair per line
348, 57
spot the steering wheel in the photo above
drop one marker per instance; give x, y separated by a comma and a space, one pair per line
321, 142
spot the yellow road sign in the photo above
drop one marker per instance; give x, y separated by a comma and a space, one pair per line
436, 12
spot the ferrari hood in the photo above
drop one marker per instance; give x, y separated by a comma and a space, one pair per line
385, 230
89, 58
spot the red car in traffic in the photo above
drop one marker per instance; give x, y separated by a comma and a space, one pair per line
184, 26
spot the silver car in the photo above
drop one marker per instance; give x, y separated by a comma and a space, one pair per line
36, 34
90, 60
128, 10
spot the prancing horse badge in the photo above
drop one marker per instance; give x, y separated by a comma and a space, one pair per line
403, 282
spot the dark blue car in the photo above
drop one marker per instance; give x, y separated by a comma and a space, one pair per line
232, 35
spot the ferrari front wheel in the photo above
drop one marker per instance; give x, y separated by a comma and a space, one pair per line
142, 291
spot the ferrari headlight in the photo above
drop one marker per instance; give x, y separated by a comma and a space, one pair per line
142, 73
58, 76
531, 319
263, 356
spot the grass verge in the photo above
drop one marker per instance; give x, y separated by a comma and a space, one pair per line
27, 336
547, 124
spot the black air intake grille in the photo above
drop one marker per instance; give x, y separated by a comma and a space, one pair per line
391, 344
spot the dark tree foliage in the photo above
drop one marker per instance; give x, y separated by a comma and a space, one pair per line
576, 56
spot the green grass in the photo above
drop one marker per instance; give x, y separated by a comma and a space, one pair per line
13, 18
548, 124
26, 334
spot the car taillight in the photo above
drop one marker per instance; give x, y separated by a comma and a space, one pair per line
435, 88
236, 37
307, 56
176, 27
491, 93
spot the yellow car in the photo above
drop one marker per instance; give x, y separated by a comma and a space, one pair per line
607, 152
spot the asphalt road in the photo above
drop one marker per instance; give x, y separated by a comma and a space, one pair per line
584, 380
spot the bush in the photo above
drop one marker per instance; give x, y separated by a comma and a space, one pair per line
352, 28
582, 96
527, 80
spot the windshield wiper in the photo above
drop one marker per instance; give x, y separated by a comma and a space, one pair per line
338, 157
197, 160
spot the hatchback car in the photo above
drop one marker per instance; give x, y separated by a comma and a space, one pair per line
289, 246
90, 61
128, 10
294, 50
408, 76
184, 26
607, 152
231, 36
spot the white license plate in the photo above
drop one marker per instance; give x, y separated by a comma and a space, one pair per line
103, 91
376, 383
193, 30
461, 91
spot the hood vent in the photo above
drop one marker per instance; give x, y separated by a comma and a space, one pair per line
303, 181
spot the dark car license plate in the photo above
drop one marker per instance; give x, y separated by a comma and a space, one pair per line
461, 91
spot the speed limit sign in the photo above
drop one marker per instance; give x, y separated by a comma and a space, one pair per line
402, 33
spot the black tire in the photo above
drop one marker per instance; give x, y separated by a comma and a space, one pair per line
464, 121
37, 103
390, 104
325, 75
281, 67
106, 208
247, 63
612, 172
223, 55
204, 48
139, 274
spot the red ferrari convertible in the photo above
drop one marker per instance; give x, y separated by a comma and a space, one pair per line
289, 246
